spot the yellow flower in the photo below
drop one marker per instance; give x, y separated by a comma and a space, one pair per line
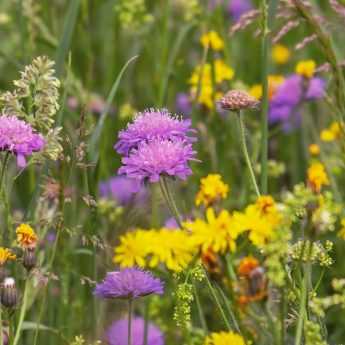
216, 233
224, 338
212, 188
222, 71
314, 149
306, 68
133, 249
317, 177
5, 255
26, 236
333, 132
274, 81
341, 232
212, 40
280, 54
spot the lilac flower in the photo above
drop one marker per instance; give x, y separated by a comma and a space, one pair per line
153, 124
316, 89
123, 190
117, 333
128, 283
158, 157
18, 137
183, 104
171, 223
237, 8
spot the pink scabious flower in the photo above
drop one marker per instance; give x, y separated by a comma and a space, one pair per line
129, 283
18, 138
159, 157
117, 333
150, 125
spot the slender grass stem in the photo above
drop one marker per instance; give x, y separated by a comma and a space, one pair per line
245, 152
130, 312
199, 308
146, 322
1, 335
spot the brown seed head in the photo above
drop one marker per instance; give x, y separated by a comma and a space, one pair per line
236, 100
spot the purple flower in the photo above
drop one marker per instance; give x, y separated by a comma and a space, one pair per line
117, 333
183, 104
128, 283
153, 124
237, 8
156, 157
18, 137
316, 89
171, 223
122, 189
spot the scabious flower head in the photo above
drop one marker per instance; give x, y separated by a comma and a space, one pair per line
314, 149
128, 284
212, 40
117, 333
317, 177
18, 137
5, 255
122, 189
224, 338
26, 236
159, 157
212, 188
280, 54
153, 124
236, 100
306, 68
237, 8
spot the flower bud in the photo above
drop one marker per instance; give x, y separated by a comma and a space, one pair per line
236, 100
29, 259
9, 295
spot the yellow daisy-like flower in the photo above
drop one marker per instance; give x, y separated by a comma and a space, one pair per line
314, 149
26, 236
5, 255
212, 188
133, 248
222, 71
274, 81
217, 233
280, 54
224, 338
306, 68
317, 177
332, 133
212, 40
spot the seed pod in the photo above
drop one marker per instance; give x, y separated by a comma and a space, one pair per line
29, 259
9, 294
236, 100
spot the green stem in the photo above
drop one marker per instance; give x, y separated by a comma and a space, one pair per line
22, 312
1, 334
216, 299
146, 322
199, 307
245, 152
4, 166
130, 312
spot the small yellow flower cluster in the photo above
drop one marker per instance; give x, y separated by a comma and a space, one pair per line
332, 133
314, 149
26, 236
220, 71
212, 188
224, 338
341, 232
150, 248
280, 54
306, 68
5, 255
212, 40
317, 177
274, 81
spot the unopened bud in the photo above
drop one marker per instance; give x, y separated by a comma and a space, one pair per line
236, 100
9, 295
29, 259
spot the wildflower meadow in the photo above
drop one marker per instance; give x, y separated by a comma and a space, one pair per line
172, 172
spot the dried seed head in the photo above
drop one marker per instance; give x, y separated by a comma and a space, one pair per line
9, 294
29, 259
236, 100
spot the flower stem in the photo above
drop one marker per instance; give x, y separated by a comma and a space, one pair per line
1, 334
199, 307
3, 169
22, 312
130, 312
245, 152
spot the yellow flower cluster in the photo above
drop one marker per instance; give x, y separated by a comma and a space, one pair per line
332, 133
317, 177
274, 81
5, 255
204, 74
212, 188
224, 338
26, 236
280, 54
149, 248
306, 68
341, 232
212, 40
314, 149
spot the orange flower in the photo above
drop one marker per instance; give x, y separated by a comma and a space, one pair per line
247, 265
26, 236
